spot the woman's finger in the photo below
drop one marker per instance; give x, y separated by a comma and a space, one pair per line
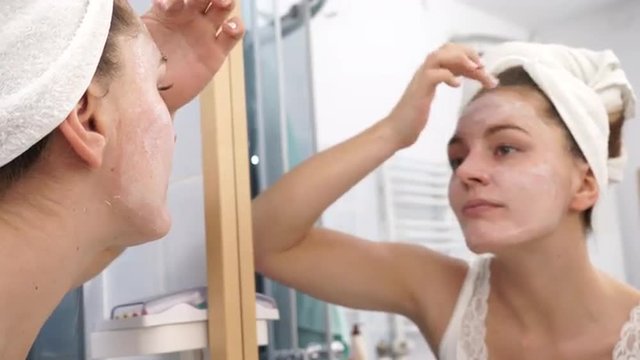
442, 75
461, 61
231, 32
169, 6
219, 12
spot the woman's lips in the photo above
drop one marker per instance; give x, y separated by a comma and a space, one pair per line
479, 207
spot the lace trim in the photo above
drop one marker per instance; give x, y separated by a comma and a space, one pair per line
471, 344
628, 347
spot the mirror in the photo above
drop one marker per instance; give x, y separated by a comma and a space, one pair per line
345, 64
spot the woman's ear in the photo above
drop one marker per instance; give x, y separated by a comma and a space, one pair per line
84, 129
587, 190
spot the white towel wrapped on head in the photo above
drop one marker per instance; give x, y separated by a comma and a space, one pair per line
584, 86
49, 52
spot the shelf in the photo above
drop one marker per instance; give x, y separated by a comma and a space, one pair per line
179, 329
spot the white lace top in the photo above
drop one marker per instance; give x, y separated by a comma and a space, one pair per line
465, 334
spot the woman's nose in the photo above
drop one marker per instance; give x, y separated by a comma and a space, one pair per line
473, 171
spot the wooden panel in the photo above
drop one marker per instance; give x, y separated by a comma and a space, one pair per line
243, 199
230, 271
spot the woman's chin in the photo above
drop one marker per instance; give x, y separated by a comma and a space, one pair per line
481, 242
150, 228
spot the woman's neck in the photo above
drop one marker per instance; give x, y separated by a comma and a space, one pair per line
48, 240
550, 285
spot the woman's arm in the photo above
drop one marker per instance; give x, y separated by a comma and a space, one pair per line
340, 268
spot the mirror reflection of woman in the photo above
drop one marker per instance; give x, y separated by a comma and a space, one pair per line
530, 158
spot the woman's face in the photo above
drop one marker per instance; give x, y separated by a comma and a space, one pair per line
140, 147
514, 177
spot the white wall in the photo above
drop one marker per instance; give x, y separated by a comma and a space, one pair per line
616, 28
365, 52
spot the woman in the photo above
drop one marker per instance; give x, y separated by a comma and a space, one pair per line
529, 159
86, 102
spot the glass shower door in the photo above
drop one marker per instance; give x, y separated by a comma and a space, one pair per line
278, 77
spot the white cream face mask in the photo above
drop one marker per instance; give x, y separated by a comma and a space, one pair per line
142, 157
530, 182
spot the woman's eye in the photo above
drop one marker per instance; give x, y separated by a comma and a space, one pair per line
503, 150
455, 162
165, 88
